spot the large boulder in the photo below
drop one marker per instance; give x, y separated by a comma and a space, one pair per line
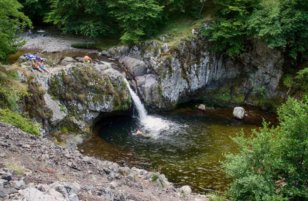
239, 112
67, 60
135, 66
87, 91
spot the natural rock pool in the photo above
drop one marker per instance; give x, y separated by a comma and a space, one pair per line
189, 153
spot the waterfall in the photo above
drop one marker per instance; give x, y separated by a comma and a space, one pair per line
151, 126
142, 113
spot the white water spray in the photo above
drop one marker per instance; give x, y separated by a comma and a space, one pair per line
142, 113
152, 126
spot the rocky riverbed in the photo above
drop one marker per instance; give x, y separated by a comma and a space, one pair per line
36, 169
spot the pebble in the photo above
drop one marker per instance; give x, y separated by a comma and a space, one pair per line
18, 184
108, 179
185, 190
7, 177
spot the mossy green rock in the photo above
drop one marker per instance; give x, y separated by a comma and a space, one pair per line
86, 91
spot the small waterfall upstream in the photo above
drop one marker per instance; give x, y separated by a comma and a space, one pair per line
151, 126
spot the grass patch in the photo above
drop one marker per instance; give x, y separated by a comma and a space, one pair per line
11, 90
154, 177
178, 29
216, 197
16, 168
19, 121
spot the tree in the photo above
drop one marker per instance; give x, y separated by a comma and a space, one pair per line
87, 17
279, 23
12, 21
136, 18
282, 24
229, 32
274, 164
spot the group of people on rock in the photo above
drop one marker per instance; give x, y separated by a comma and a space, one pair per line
37, 62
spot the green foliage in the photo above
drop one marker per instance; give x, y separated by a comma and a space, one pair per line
12, 21
191, 8
274, 164
88, 17
287, 80
216, 197
282, 24
129, 20
301, 80
137, 18
279, 23
229, 31
11, 91
19, 121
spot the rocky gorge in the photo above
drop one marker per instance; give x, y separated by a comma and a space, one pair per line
75, 95
165, 75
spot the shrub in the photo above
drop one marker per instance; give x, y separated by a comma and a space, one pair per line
19, 121
11, 91
12, 21
273, 165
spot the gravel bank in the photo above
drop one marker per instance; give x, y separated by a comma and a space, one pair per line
36, 169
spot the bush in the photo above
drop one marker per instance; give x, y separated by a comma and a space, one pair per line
279, 23
274, 164
12, 21
19, 121
11, 91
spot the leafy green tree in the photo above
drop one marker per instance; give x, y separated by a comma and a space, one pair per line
279, 23
87, 17
191, 8
12, 21
229, 31
273, 165
282, 24
136, 18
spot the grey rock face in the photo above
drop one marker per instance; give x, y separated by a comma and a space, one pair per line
134, 66
67, 60
59, 112
178, 73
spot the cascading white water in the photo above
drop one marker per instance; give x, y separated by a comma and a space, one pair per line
142, 113
152, 126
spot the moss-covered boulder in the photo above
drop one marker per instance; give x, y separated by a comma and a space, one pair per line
85, 91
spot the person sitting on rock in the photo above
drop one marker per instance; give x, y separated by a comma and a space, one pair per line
42, 66
87, 59
36, 66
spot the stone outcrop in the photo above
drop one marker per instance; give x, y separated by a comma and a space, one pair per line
74, 94
188, 70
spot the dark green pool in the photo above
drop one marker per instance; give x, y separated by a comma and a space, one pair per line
189, 154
